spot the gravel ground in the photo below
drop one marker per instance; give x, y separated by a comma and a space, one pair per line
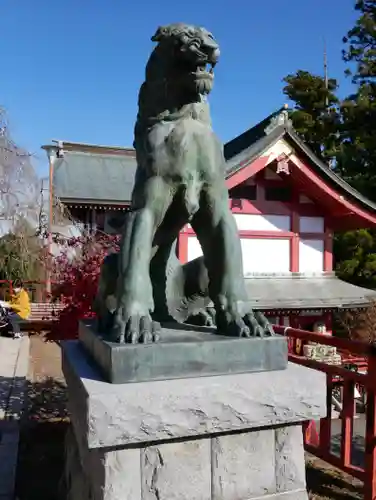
41, 454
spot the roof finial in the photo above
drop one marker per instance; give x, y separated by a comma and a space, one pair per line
278, 120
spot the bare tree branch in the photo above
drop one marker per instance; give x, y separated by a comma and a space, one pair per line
19, 183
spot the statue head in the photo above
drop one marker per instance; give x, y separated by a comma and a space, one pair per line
187, 54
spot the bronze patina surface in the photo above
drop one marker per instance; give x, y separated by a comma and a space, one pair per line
180, 178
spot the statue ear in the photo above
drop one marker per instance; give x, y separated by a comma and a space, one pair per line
160, 34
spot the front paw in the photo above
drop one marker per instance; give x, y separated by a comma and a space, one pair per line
231, 324
205, 317
252, 324
258, 324
135, 329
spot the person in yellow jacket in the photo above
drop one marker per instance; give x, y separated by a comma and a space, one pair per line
19, 305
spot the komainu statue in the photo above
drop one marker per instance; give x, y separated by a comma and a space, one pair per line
180, 178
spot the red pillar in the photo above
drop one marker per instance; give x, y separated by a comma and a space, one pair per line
294, 249
328, 250
347, 416
370, 456
183, 247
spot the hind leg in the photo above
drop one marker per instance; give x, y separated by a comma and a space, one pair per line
133, 322
217, 232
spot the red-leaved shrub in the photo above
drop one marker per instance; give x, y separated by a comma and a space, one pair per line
76, 272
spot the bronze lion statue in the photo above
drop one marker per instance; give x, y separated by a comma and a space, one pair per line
180, 178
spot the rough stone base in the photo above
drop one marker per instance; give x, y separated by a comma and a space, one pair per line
251, 465
234, 437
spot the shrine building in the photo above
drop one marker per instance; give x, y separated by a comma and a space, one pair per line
286, 202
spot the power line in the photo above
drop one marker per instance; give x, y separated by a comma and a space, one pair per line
326, 74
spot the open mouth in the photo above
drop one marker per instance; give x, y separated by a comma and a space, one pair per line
205, 71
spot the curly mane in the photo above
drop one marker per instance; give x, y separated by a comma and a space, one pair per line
170, 90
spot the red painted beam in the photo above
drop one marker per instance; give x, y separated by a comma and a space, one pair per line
246, 171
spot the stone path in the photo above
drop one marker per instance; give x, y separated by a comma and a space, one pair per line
14, 360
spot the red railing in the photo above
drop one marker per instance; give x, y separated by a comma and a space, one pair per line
319, 443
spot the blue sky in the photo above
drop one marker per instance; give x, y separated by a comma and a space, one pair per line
72, 69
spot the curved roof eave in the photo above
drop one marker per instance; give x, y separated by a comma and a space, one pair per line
330, 175
257, 148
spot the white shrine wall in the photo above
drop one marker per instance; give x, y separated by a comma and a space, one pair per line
258, 222
194, 248
277, 234
311, 256
311, 224
267, 243
265, 255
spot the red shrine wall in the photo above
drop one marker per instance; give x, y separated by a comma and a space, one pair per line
280, 229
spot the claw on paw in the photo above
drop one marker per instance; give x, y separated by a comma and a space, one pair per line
232, 324
138, 329
253, 324
260, 326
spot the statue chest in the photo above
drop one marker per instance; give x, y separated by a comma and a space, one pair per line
186, 150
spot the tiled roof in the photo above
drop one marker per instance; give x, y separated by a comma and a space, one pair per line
94, 177
297, 291
253, 142
108, 178
249, 137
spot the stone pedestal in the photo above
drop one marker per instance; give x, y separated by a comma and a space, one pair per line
182, 352
229, 437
